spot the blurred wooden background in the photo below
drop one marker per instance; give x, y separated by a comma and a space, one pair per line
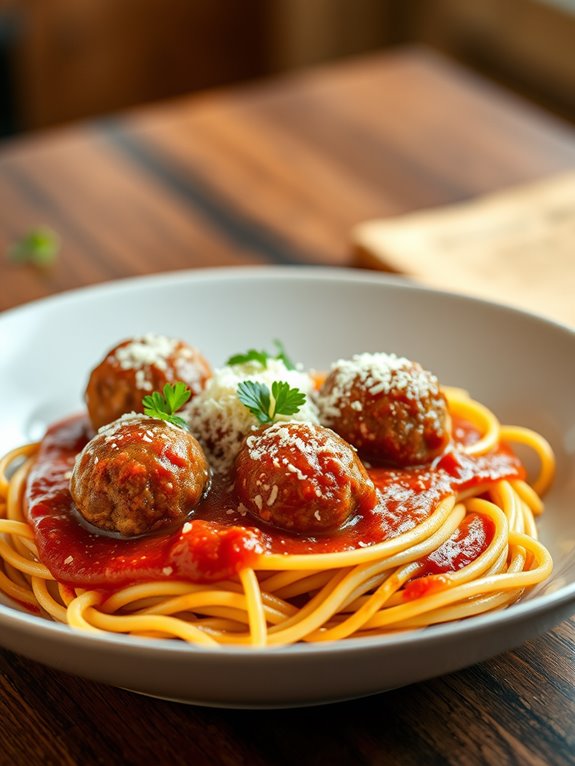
63, 60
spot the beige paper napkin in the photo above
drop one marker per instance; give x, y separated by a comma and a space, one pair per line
516, 247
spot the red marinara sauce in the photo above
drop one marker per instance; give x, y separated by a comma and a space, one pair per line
218, 540
79, 555
469, 540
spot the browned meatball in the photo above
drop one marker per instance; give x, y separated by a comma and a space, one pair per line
137, 367
139, 475
301, 477
389, 408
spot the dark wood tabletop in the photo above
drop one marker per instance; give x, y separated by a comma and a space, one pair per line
278, 173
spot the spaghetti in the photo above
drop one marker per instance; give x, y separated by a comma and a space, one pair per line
474, 551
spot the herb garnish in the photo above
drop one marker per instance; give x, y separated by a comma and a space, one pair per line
164, 406
256, 397
283, 355
38, 247
251, 355
262, 357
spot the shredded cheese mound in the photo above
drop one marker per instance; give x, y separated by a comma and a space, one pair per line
220, 421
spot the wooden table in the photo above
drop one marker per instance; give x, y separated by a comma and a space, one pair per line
278, 173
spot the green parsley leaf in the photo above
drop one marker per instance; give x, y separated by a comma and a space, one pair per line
257, 398
176, 395
252, 355
283, 355
163, 406
38, 247
262, 357
288, 400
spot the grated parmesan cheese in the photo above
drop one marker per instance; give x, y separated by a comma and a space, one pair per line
304, 448
113, 430
220, 421
153, 352
377, 373
146, 350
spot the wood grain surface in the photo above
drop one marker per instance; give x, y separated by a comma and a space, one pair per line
279, 172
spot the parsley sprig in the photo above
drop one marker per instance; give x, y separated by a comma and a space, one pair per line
164, 405
39, 247
266, 406
262, 357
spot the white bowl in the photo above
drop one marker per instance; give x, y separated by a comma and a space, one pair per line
521, 366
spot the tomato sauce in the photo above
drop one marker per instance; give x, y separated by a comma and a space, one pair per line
470, 539
218, 540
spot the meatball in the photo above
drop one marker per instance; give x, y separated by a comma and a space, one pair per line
137, 367
388, 407
301, 477
139, 475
